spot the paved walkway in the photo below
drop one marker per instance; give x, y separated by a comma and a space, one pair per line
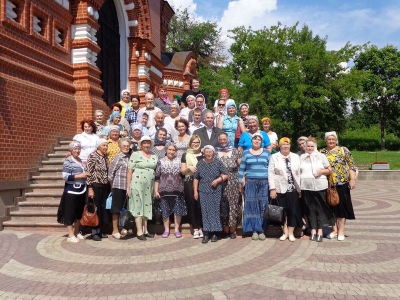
364, 266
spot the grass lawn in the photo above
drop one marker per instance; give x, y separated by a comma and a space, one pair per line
365, 157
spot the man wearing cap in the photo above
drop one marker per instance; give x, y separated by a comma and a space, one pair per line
194, 90
125, 102
150, 109
223, 95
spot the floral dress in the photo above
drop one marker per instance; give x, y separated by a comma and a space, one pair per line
181, 146
231, 187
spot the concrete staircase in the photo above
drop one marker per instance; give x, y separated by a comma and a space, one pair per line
37, 208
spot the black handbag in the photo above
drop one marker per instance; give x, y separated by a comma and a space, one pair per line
224, 207
273, 213
126, 220
157, 212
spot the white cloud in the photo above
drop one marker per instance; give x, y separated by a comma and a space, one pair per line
182, 4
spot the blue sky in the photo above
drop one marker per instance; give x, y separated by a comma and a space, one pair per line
353, 21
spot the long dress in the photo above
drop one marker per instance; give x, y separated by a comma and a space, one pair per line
209, 197
142, 185
231, 187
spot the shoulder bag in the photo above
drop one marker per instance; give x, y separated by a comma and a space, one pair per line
332, 196
273, 213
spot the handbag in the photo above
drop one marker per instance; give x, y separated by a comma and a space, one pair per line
126, 219
224, 207
109, 201
273, 213
89, 216
332, 196
157, 212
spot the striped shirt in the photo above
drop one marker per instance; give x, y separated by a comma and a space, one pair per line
254, 166
118, 170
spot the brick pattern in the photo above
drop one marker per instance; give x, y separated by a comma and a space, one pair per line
364, 266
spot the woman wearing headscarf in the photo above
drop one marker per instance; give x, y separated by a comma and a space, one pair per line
99, 121
140, 186
231, 159
301, 143
163, 102
168, 187
207, 185
160, 139
229, 123
117, 178
343, 176
115, 118
254, 166
73, 198
98, 185
315, 168
245, 141
189, 162
137, 133
87, 139
284, 185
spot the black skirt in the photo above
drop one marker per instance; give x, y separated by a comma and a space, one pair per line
100, 197
345, 207
71, 208
291, 202
118, 200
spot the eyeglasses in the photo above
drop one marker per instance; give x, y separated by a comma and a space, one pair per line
195, 142
220, 104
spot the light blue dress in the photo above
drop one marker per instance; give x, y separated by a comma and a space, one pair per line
229, 126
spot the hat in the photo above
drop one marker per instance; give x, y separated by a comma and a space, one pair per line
257, 135
114, 114
329, 133
125, 91
243, 104
73, 145
209, 147
223, 91
284, 140
114, 127
135, 126
302, 138
99, 142
145, 138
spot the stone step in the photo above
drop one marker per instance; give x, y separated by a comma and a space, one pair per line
51, 170
33, 225
53, 162
48, 214
61, 148
39, 205
48, 193
50, 185
65, 142
42, 179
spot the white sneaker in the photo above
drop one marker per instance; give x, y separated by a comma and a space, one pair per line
196, 234
341, 238
292, 238
254, 237
79, 236
72, 239
332, 235
201, 233
261, 236
283, 237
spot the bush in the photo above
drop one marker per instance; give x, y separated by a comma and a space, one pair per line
368, 139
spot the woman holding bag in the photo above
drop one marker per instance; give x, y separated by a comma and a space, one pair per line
343, 176
284, 185
117, 178
98, 186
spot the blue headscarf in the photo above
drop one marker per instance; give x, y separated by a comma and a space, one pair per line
226, 148
113, 115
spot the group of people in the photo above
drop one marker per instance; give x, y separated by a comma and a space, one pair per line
198, 164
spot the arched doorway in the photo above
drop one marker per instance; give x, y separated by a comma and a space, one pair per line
108, 60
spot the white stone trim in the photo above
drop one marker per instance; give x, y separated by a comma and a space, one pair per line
143, 71
57, 36
133, 23
84, 55
156, 71
143, 87
130, 6
83, 31
36, 27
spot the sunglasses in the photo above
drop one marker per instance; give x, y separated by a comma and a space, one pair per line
220, 104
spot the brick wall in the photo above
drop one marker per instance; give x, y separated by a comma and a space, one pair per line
155, 11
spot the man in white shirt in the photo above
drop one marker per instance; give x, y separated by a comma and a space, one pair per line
196, 124
190, 106
159, 123
209, 133
221, 112
150, 109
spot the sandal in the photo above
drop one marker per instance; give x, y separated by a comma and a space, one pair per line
165, 234
177, 234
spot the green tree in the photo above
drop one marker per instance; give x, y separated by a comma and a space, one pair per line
203, 38
287, 73
378, 71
